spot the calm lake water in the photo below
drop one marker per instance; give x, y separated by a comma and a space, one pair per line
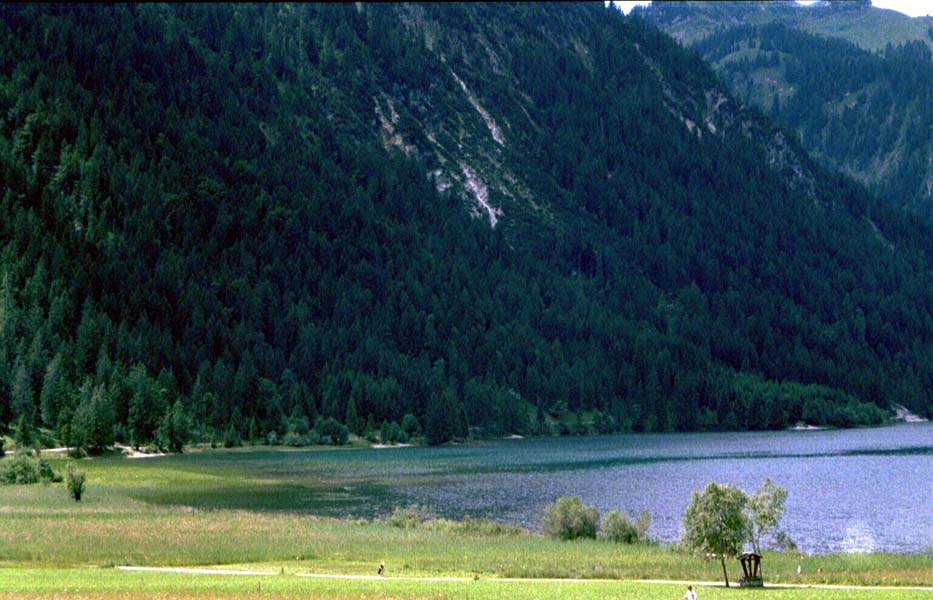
848, 491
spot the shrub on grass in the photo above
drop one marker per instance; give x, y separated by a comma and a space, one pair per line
569, 518
21, 470
419, 517
75, 482
490, 527
410, 517
26, 469
47, 474
616, 527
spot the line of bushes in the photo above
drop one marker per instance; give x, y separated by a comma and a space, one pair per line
569, 518
566, 519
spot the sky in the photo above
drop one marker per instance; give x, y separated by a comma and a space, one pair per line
913, 8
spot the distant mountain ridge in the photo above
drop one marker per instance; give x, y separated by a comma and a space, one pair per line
274, 219
864, 113
855, 21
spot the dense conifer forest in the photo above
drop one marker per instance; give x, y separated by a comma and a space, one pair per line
208, 232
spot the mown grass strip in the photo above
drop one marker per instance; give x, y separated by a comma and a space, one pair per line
109, 584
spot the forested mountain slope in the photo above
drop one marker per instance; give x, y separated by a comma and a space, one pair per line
868, 115
483, 216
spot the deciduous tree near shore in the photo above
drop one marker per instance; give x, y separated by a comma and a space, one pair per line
765, 509
716, 522
722, 518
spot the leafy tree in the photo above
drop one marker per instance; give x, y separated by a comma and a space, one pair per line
765, 510
569, 518
716, 523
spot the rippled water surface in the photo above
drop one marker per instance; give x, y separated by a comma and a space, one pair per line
850, 491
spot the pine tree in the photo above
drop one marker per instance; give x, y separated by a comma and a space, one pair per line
93, 419
353, 420
174, 428
53, 388
21, 394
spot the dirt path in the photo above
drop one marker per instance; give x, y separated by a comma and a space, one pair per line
202, 571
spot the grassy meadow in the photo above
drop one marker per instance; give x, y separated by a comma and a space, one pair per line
109, 583
51, 546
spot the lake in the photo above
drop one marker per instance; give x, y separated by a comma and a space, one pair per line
848, 490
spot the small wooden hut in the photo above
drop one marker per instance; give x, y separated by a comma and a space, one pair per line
751, 566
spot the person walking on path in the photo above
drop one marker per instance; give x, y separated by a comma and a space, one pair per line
690, 595
382, 568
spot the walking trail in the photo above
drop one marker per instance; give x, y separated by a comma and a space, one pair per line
203, 571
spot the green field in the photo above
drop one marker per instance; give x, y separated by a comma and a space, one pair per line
51, 546
109, 583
